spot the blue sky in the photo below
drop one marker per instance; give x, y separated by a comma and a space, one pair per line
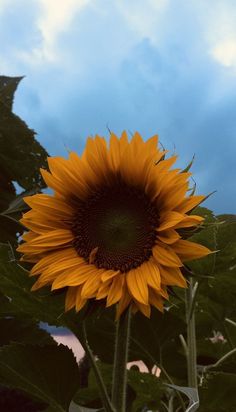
155, 66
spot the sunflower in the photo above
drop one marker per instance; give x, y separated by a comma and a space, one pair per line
112, 228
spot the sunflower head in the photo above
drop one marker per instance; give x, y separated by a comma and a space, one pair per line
112, 229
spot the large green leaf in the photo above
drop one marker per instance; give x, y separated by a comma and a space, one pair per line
16, 283
21, 155
8, 86
23, 331
48, 373
12, 400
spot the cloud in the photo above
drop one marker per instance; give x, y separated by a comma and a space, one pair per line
157, 66
225, 52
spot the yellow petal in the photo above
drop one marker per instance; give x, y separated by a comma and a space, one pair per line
79, 300
137, 284
62, 169
108, 274
189, 203
172, 277
189, 250
52, 182
74, 277
156, 300
153, 274
168, 236
115, 291
91, 286
70, 298
165, 255
169, 220
145, 309
49, 204
124, 302
53, 239
53, 257
103, 290
189, 221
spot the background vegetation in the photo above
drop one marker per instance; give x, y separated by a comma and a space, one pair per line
37, 374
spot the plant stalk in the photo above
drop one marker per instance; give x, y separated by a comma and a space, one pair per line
119, 381
191, 336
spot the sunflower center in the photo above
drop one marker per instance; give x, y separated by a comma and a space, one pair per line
115, 227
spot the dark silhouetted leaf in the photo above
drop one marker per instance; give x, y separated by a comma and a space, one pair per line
49, 373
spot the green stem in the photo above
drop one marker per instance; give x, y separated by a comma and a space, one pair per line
191, 336
220, 361
108, 407
102, 388
119, 383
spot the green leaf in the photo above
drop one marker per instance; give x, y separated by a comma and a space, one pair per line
89, 396
217, 393
21, 155
16, 284
8, 86
158, 344
77, 408
148, 390
49, 373
192, 395
18, 204
23, 331
12, 400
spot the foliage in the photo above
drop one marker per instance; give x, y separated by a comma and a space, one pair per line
31, 362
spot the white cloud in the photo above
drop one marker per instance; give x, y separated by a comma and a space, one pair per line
55, 18
225, 52
143, 17
220, 32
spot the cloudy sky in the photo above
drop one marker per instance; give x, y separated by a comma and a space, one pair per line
155, 66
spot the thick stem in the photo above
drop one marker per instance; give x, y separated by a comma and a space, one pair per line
119, 383
191, 336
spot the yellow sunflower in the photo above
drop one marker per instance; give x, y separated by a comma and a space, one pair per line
111, 230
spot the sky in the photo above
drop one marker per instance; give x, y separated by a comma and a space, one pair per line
161, 67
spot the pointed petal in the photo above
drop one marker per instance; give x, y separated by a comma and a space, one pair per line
153, 274
189, 203
164, 255
79, 300
145, 309
124, 302
52, 258
70, 298
168, 236
137, 284
91, 286
156, 300
172, 277
169, 220
187, 250
115, 291
189, 221
74, 277
52, 239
